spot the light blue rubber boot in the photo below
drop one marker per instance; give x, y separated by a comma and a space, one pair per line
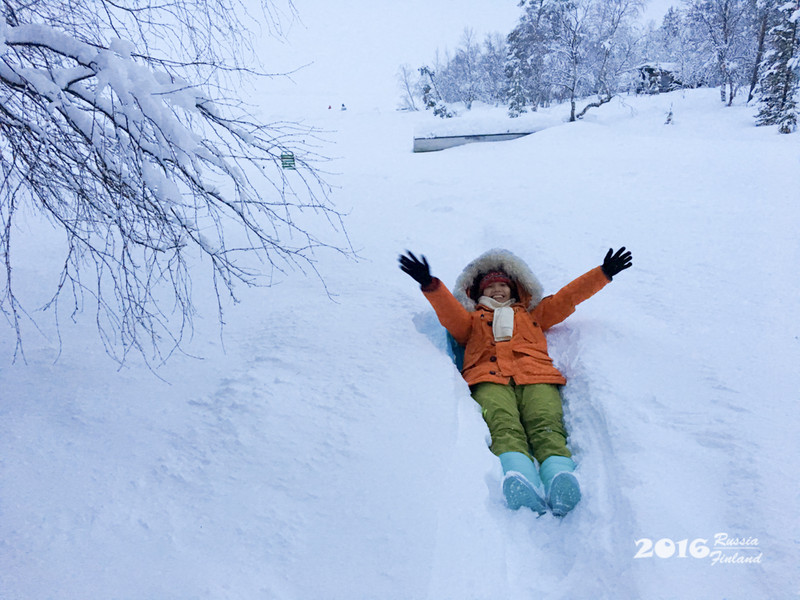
560, 484
521, 484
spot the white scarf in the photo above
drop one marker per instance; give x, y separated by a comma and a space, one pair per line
503, 320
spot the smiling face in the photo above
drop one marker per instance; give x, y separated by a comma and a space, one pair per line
498, 291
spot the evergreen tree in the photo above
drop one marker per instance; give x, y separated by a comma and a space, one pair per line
431, 97
528, 45
780, 81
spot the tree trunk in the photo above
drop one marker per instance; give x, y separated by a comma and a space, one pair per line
786, 93
600, 101
762, 35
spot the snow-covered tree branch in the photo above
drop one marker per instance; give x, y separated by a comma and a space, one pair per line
780, 81
130, 143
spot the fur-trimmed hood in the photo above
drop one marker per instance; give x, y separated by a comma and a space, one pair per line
528, 286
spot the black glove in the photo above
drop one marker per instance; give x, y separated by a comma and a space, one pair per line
420, 271
619, 261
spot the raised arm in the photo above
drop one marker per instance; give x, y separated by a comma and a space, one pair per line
554, 309
452, 315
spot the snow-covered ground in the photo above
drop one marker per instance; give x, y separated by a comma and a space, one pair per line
331, 450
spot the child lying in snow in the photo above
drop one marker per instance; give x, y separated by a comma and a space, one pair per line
499, 315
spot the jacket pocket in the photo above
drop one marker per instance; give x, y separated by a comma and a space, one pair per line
534, 351
529, 332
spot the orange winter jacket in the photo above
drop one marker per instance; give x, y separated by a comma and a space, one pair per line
524, 357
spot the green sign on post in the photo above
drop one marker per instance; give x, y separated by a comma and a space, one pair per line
287, 160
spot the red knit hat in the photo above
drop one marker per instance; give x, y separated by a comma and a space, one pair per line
493, 277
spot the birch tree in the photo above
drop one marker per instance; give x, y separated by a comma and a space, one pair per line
118, 123
591, 48
722, 27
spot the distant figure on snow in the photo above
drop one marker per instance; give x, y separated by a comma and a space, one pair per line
499, 317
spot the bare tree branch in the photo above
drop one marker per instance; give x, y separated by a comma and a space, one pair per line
144, 170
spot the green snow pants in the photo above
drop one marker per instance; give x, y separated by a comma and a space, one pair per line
523, 418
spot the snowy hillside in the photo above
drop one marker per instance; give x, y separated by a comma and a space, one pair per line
331, 450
